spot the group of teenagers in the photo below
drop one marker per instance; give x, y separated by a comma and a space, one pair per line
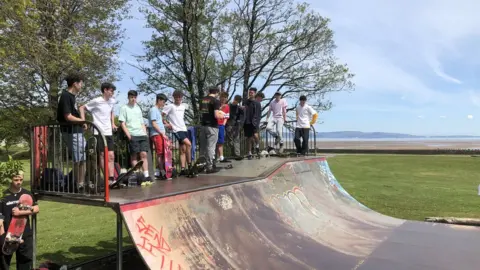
219, 121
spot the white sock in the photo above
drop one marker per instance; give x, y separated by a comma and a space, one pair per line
221, 158
145, 173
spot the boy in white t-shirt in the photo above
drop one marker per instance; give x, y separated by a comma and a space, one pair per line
306, 116
174, 119
278, 109
101, 109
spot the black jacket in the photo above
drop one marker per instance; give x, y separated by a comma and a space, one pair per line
237, 115
253, 112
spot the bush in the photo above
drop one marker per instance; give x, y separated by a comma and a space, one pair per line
25, 154
9, 169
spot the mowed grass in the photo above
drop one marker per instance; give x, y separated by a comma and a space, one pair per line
412, 187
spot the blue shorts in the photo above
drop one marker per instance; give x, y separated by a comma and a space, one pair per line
181, 136
221, 134
76, 145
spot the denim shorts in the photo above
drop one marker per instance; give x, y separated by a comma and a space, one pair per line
76, 145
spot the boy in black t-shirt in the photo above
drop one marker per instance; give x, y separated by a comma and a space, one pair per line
8, 209
210, 113
67, 113
234, 123
253, 114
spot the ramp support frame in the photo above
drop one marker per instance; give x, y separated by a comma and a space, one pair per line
119, 240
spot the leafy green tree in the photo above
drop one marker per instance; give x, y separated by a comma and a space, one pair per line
8, 170
289, 48
183, 52
43, 40
279, 45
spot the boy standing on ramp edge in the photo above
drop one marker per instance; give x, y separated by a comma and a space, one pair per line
9, 209
101, 109
251, 128
221, 126
234, 123
278, 110
157, 133
210, 115
175, 113
304, 114
133, 125
73, 135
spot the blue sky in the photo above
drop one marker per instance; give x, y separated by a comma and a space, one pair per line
415, 65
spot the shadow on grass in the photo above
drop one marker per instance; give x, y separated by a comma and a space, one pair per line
82, 254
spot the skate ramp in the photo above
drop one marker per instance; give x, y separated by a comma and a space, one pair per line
299, 217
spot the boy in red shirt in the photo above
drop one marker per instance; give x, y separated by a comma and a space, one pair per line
221, 125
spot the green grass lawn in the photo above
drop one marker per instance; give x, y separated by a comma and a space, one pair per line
410, 187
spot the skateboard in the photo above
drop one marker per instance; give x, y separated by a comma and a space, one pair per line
125, 176
92, 164
167, 154
17, 226
197, 167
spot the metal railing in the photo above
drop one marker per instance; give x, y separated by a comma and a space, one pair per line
54, 170
58, 168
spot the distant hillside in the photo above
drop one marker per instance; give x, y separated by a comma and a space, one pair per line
378, 135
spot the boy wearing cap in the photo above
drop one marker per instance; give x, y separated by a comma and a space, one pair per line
278, 110
306, 117
157, 133
133, 125
174, 118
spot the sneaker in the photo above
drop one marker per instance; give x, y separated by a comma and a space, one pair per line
277, 140
239, 158
183, 172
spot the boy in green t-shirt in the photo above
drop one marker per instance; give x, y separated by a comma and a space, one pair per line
133, 125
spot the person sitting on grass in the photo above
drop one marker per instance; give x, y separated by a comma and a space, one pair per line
9, 209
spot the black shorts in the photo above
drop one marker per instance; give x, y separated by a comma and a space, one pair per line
101, 147
181, 136
250, 130
138, 144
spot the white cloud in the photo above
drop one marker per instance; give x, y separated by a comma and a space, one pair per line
442, 117
421, 116
470, 116
402, 47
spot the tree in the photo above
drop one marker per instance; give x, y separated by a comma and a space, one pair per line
183, 50
288, 48
268, 44
43, 40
